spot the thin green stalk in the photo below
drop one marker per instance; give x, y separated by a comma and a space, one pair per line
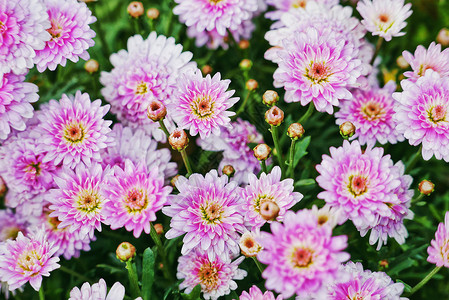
290, 161
41, 293
258, 264
74, 273
264, 166
168, 22
242, 107
136, 25
424, 281
376, 52
308, 113
160, 250
274, 133
185, 158
133, 281
164, 129
417, 199
413, 161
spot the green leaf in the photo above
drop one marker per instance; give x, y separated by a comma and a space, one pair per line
147, 273
305, 182
111, 269
301, 150
194, 294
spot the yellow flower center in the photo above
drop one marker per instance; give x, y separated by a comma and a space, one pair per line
358, 185
208, 276
317, 72
136, 200
372, 111
301, 257
88, 201
141, 88
437, 114
212, 213
202, 106
74, 133
299, 3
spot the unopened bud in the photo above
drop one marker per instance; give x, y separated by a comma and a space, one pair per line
91, 66
206, 69
443, 37
125, 251
426, 187
244, 44
228, 170
2, 187
159, 228
153, 13
274, 116
156, 110
383, 264
295, 131
269, 210
173, 180
347, 129
246, 64
262, 151
401, 62
248, 245
178, 139
270, 98
135, 9
251, 85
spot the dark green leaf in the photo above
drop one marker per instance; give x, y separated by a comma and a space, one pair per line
301, 150
147, 273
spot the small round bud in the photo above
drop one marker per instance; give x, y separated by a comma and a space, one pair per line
383, 264
3, 187
262, 151
270, 98
125, 251
269, 210
426, 187
135, 9
159, 228
274, 116
228, 170
178, 139
347, 129
251, 85
295, 131
443, 37
91, 66
244, 44
248, 245
401, 62
173, 180
153, 13
156, 110
206, 69
246, 64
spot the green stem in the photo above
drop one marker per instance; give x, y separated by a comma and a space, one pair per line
168, 22
376, 52
136, 25
424, 281
41, 293
151, 24
274, 133
185, 158
164, 129
133, 281
258, 264
264, 166
413, 161
417, 199
290, 161
307, 115
74, 273
242, 107
160, 250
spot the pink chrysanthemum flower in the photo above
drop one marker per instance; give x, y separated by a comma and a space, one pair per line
70, 33
73, 130
23, 27
10, 225
422, 114
371, 111
385, 18
328, 216
148, 69
202, 104
137, 146
368, 189
15, 98
256, 294
439, 249
216, 276
283, 6
432, 58
317, 66
234, 142
302, 257
27, 259
135, 195
220, 15
268, 188
80, 199
356, 283
98, 291
207, 209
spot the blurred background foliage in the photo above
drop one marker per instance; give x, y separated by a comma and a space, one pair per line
114, 26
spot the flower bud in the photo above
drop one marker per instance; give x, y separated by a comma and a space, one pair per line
262, 151
91, 66
228, 170
153, 13
2, 187
270, 98
383, 264
125, 251
347, 129
248, 245
135, 9
156, 110
159, 228
251, 85
269, 210
274, 116
402, 63
295, 131
426, 187
246, 64
178, 139
174, 179
244, 44
443, 37
206, 69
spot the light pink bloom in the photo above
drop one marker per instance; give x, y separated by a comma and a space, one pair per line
98, 291
256, 294
283, 6
439, 249
10, 225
